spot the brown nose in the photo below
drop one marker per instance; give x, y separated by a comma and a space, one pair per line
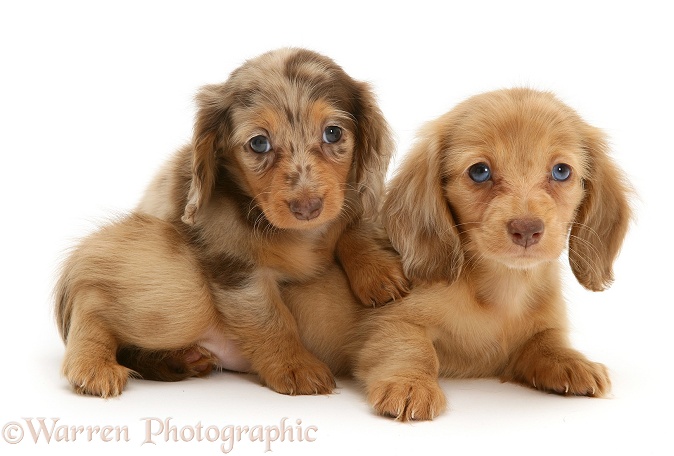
526, 231
306, 209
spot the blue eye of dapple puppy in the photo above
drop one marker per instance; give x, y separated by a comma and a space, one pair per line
260, 144
332, 134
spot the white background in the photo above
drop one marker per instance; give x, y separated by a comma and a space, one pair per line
94, 96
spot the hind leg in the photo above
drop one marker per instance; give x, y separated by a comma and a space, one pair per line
90, 363
168, 365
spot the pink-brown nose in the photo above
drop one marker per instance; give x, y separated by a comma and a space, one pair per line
306, 209
526, 232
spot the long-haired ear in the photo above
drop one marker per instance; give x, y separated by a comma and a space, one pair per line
418, 217
602, 218
212, 105
374, 147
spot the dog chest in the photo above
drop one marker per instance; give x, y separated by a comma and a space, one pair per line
296, 258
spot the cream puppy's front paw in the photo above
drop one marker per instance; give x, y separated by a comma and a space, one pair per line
407, 398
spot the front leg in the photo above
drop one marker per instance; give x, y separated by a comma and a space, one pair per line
374, 269
547, 363
399, 367
254, 315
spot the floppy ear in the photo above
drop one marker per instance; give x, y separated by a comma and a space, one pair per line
373, 150
212, 105
418, 217
602, 218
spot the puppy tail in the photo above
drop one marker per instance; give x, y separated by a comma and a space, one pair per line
69, 289
63, 303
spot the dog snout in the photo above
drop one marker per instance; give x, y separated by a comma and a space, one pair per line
526, 231
306, 209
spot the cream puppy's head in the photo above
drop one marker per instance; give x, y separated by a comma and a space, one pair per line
510, 176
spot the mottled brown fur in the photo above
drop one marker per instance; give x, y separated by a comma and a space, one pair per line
200, 261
